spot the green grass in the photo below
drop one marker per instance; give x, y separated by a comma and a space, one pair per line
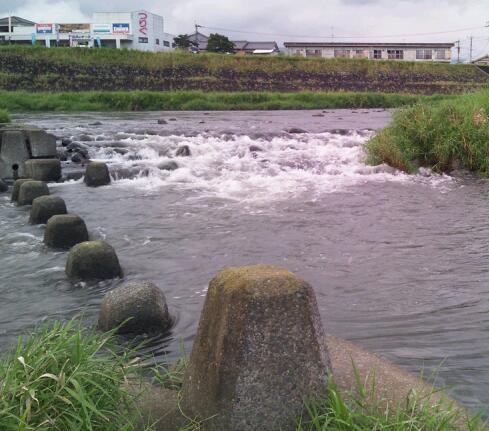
362, 411
4, 116
442, 135
21, 101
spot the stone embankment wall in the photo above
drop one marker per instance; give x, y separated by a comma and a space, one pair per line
21, 72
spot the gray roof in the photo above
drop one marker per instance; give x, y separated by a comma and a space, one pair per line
17, 21
201, 40
366, 45
243, 45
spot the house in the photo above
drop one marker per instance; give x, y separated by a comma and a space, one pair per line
12, 28
381, 51
241, 46
482, 61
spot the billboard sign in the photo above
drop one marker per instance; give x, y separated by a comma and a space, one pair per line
102, 28
74, 28
120, 28
44, 28
143, 23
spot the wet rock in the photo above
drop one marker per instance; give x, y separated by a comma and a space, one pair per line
97, 174
3, 186
173, 119
16, 188
93, 260
121, 151
43, 169
295, 130
64, 231
258, 353
255, 148
318, 115
44, 207
183, 151
141, 302
168, 166
96, 123
201, 122
78, 158
65, 142
85, 138
62, 155
31, 190
161, 121
77, 147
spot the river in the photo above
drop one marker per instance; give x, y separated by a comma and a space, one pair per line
399, 263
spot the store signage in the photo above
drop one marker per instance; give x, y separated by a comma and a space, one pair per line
74, 28
44, 28
120, 28
143, 23
102, 28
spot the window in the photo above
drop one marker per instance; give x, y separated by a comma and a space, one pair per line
377, 54
166, 43
360, 53
424, 54
313, 53
157, 41
395, 54
298, 52
143, 40
342, 53
440, 54
173, 45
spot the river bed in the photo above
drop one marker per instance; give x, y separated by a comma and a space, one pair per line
399, 263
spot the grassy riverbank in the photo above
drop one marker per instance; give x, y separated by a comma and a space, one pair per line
20, 101
443, 135
4, 116
68, 69
66, 378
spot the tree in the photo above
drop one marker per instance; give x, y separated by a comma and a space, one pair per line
219, 43
183, 41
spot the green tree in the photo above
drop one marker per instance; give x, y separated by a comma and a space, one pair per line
183, 41
219, 43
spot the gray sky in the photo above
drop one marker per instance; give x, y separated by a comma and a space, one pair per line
364, 20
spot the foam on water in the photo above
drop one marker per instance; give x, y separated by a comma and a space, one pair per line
225, 166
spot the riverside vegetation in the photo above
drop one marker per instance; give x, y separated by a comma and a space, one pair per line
64, 377
445, 136
4, 116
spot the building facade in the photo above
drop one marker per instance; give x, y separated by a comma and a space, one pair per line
373, 51
140, 30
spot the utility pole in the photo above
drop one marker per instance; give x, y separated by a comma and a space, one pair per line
10, 27
458, 50
197, 26
470, 55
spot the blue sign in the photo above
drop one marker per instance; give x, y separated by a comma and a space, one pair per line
33, 38
120, 28
99, 42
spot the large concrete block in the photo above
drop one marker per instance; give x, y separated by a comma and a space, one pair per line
259, 352
13, 154
31, 190
63, 231
43, 169
42, 144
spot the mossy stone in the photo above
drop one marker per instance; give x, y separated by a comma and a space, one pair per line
141, 302
31, 190
93, 260
16, 188
258, 353
44, 207
97, 174
64, 231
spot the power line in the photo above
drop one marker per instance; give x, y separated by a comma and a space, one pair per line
343, 37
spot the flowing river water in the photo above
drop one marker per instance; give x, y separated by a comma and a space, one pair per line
399, 263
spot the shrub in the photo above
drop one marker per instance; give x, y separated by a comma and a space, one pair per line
4, 116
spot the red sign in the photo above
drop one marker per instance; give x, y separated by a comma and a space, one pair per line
143, 23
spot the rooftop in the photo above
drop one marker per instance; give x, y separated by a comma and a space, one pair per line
369, 44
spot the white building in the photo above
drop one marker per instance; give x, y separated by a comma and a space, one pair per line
385, 51
141, 30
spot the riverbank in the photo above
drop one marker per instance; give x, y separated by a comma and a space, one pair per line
22, 101
444, 135
66, 69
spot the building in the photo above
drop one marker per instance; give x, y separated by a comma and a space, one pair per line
140, 30
384, 51
241, 46
482, 61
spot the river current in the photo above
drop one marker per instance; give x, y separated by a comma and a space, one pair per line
399, 263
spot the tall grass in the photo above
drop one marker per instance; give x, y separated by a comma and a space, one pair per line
441, 135
4, 116
362, 410
65, 378
21, 101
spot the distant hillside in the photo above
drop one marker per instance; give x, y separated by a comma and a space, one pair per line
65, 69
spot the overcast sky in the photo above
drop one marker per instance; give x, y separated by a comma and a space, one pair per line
364, 20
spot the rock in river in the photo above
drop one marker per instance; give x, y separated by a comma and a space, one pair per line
141, 302
31, 190
64, 231
97, 174
44, 207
